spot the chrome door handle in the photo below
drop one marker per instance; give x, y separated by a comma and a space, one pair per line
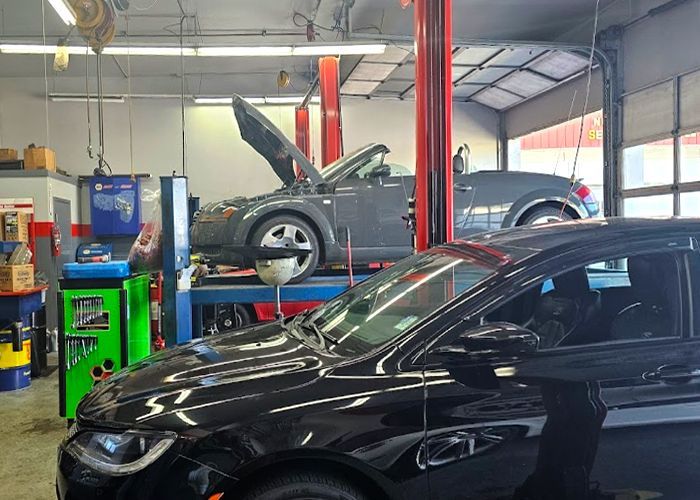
671, 374
462, 187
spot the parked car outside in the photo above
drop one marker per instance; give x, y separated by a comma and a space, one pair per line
558, 361
366, 193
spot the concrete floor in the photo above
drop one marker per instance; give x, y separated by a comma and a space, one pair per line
30, 432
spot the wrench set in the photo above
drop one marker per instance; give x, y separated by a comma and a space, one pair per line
78, 348
87, 310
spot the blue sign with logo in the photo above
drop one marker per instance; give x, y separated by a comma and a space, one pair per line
115, 206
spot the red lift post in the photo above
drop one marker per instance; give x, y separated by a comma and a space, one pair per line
302, 134
433, 35
331, 133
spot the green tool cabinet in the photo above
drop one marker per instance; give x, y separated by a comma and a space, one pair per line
103, 327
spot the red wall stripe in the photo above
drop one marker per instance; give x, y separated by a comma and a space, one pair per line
43, 230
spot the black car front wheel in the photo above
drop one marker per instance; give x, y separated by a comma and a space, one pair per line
287, 231
304, 486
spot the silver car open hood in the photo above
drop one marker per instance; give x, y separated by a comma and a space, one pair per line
271, 143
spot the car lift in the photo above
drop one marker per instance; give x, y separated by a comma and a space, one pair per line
433, 196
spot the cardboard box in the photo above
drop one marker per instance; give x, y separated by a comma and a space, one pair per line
16, 278
39, 158
8, 154
15, 226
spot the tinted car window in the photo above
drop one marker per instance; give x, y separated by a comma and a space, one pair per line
382, 308
623, 299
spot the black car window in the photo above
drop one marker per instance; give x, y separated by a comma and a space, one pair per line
622, 299
693, 263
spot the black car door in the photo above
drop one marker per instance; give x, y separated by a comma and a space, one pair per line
607, 416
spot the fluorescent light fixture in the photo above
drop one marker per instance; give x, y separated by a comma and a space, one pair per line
15, 48
345, 49
213, 100
234, 51
256, 100
83, 98
242, 51
148, 51
63, 11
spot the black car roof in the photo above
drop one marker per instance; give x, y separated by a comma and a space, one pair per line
519, 242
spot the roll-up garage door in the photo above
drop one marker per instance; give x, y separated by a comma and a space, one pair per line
648, 114
690, 102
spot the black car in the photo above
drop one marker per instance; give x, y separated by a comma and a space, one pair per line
365, 192
559, 361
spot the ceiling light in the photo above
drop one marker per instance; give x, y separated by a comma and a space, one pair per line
38, 49
213, 100
256, 100
149, 51
63, 11
83, 98
339, 50
242, 51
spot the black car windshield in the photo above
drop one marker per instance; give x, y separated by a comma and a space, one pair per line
384, 306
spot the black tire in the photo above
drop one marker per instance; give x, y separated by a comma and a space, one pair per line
231, 317
541, 213
307, 268
304, 485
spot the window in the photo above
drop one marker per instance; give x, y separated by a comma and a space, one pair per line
690, 204
622, 299
648, 165
690, 157
648, 206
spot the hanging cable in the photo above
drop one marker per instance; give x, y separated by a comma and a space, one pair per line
568, 119
128, 90
585, 107
87, 99
46, 76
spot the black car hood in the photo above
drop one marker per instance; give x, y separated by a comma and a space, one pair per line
195, 378
271, 143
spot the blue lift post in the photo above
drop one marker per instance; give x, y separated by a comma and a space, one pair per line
177, 306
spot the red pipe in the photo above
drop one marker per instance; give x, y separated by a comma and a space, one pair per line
303, 137
434, 204
331, 132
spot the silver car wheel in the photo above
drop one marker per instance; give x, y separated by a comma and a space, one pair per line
289, 236
546, 219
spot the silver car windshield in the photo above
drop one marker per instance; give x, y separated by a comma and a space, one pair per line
383, 307
333, 172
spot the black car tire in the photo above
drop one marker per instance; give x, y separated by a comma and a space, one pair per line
304, 485
304, 228
541, 213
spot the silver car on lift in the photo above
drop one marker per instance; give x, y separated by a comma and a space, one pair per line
366, 193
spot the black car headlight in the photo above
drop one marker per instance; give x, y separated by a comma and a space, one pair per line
119, 454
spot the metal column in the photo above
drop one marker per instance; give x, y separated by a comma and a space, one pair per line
177, 308
303, 137
433, 35
331, 128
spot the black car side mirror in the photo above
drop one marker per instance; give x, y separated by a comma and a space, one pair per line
380, 171
491, 342
457, 164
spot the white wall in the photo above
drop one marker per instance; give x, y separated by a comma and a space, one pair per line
219, 163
